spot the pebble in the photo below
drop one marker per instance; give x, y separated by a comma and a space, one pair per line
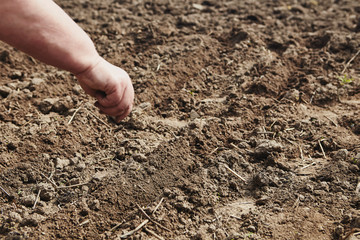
251, 228
46, 105
36, 81
339, 230
194, 115
15, 217
62, 162
266, 147
14, 236
28, 201
139, 157
16, 74
5, 91
81, 166
32, 220
47, 191
77, 89
94, 205
293, 95
356, 222
100, 175
341, 155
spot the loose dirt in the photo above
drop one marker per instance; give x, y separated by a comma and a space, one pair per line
268, 89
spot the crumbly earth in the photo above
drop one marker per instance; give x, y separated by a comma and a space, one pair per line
246, 125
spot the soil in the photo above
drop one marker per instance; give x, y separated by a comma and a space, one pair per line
246, 125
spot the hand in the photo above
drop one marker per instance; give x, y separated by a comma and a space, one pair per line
112, 88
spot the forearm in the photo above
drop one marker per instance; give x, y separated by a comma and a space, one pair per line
43, 30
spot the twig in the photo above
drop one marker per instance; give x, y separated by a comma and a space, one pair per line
71, 186
84, 222
331, 121
128, 234
43, 175
153, 233
273, 124
266, 132
301, 154
309, 165
4, 191
116, 226
213, 151
322, 149
99, 119
232, 144
148, 217
36, 199
296, 203
157, 206
312, 97
236, 217
233, 172
72, 117
348, 63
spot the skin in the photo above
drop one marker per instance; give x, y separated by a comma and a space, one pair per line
43, 30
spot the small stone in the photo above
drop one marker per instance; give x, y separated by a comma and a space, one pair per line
46, 105
262, 201
100, 175
32, 220
36, 81
62, 162
145, 105
14, 236
356, 222
194, 115
16, 74
261, 179
77, 89
80, 166
94, 204
62, 105
5, 57
324, 186
341, 155
15, 217
198, 6
47, 191
5, 91
28, 201
347, 218
212, 228
293, 95
183, 206
266, 147
339, 231
251, 228
139, 157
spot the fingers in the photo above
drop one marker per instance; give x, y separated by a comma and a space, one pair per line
112, 111
109, 100
112, 88
119, 118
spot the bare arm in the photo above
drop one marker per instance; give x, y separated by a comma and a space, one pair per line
43, 30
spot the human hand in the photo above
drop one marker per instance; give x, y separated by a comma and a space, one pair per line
112, 88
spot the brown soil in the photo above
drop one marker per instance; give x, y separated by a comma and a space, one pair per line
259, 87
